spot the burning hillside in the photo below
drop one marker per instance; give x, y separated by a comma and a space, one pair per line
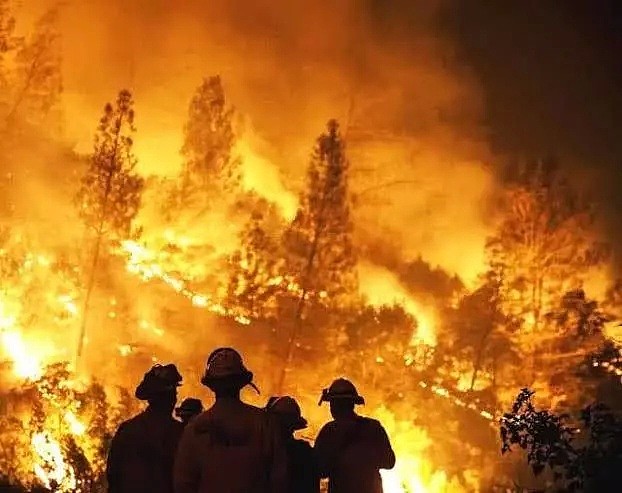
235, 210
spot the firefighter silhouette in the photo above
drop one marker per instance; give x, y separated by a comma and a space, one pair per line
351, 449
232, 447
303, 473
142, 452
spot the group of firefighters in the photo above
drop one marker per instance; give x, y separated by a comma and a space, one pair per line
234, 447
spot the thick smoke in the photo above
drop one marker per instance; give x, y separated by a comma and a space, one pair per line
411, 114
551, 74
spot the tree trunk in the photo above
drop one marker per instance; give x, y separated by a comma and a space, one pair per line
478, 357
308, 270
87, 298
100, 230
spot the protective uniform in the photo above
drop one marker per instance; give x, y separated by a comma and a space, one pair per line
232, 447
142, 452
351, 451
188, 409
303, 473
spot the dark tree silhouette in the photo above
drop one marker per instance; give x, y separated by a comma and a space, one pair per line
588, 465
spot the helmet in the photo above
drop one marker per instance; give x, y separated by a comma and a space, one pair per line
189, 406
341, 389
157, 380
287, 410
225, 364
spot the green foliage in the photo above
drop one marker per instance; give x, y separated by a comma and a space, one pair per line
319, 240
110, 194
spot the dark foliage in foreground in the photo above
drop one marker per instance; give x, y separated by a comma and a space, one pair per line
581, 457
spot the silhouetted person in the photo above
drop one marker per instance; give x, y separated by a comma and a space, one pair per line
232, 447
188, 409
303, 473
142, 451
351, 449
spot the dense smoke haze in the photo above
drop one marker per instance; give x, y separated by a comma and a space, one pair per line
438, 84
551, 75
411, 113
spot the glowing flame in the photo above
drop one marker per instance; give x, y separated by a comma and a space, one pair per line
261, 175
412, 473
75, 425
143, 262
382, 287
25, 365
51, 468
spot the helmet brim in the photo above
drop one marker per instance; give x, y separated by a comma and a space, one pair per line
357, 399
145, 392
240, 380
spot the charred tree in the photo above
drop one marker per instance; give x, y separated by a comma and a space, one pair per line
319, 241
110, 192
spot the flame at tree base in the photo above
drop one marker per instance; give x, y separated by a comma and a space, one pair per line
51, 469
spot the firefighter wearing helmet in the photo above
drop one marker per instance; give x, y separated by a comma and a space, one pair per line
303, 474
142, 452
351, 449
232, 447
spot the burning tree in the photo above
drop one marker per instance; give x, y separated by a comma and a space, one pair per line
8, 40
543, 248
378, 340
256, 279
110, 193
483, 333
36, 83
319, 242
210, 168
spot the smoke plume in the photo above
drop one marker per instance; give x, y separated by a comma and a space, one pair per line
410, 112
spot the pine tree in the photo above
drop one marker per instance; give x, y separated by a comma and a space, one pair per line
319, 242
210, 168
110, 192
256, 279
37, 83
